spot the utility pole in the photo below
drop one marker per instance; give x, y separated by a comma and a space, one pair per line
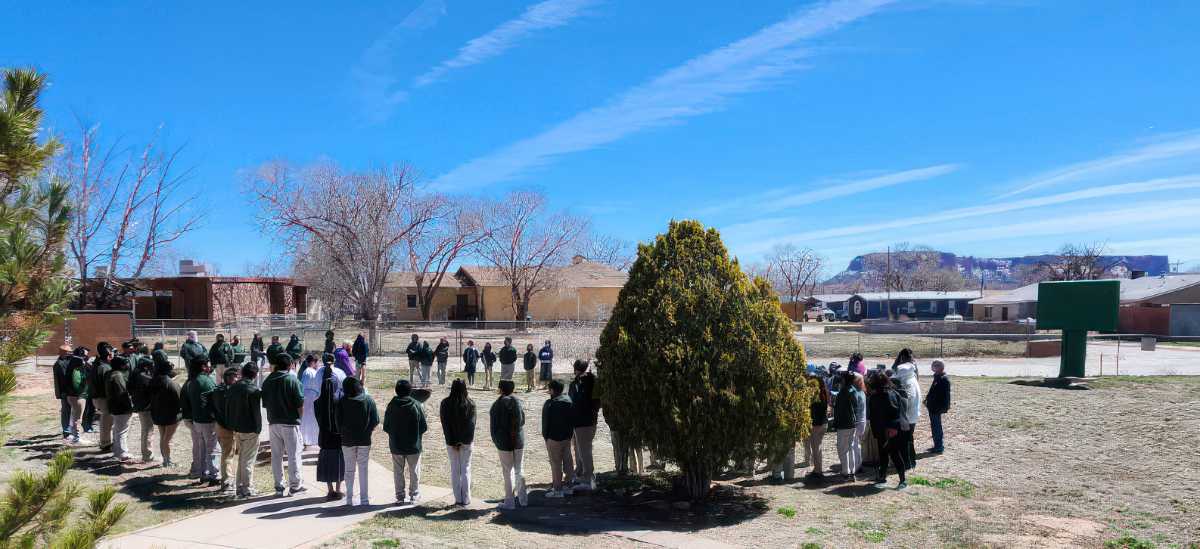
887, 283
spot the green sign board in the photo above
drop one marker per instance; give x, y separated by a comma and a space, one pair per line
1076, 307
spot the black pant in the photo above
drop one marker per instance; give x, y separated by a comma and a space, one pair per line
889, 448
89, 415
470, 377
907, 448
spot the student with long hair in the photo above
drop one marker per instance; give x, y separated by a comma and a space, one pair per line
457, 413
331, 464
905, 377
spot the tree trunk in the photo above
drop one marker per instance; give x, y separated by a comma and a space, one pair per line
696, 481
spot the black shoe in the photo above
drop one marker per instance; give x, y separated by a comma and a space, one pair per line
936, 450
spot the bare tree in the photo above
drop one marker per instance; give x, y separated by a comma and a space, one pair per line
794, 271
607, 249
129, 211
1071, 262
456, 227
526, 245
354, 222
910, 268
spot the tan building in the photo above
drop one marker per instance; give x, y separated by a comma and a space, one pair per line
583, 290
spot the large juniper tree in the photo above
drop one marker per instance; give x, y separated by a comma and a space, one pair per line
698, 362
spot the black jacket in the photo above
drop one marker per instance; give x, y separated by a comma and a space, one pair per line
360, 350
62, 366
442, 352
404, 422
883, 411
458, 422
413, 350
508, 354
165, 401
557, 421
587, 407
507, 423
845, 409
139, 384
115, 385
489, 357
357, 418
96, 376
470, 357
937, 400
531, 360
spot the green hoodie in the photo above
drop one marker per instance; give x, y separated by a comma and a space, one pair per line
283, 397
221, 352
218, 399
357, 417
404, 422
190, 351
272, 350
243, 407
508, 423
557, 418
198, 390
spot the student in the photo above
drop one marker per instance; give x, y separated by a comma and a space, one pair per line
405, 424
204, 432
310, 361
530, 363
426, 356
885, 408
845, 417
98, 393
414, 358
77, 389
341, 358
310, 381
546, 359
243, 412
239, 354
357, 418
442, 353
139, 393
489, 360
457, 413
218, 400
508, 434
906, 376
273, 350
360, 350
165, 404
470, 357
331, 462
558, 429
258, 353
61, 369
586, 408
294, 349
283, 398
938, 403
508, 359
819, 411
191, 351
120, 406
329, 344
220, 356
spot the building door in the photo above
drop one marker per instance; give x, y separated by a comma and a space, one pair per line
1003, 313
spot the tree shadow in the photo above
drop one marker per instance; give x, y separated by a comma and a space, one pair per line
854, 490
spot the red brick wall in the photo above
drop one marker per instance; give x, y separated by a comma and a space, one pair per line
1144, 320
89, 328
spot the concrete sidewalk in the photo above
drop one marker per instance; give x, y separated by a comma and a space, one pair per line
273, 523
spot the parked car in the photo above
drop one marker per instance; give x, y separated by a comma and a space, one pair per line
819, 314
953, 318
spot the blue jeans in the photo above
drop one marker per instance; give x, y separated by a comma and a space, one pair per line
935, 425
64, 414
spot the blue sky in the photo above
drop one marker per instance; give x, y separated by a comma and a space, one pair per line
985, 128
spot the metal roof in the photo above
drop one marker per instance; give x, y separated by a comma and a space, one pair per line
584, 274
1133, 290
830, 298
918, 296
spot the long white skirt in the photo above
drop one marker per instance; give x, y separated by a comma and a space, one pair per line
308, 423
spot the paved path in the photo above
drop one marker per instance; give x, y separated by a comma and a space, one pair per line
273, 523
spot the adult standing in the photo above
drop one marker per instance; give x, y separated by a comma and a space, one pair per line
165, 404
331, 464
426, 357
546, 359
204, 429
457, 413
357, 418
310, 382
139, 393
906, 377
530, 362
885, 408
218, 405
404, 422
414, 358
220, 356
98, 392
243, 411
120, 406
283, 398
508, 434
61, 369
294, 349
938, 403
558, 429
360, 351
191, 351
470, 357
508, 359
342, 358
489, 360
586, 414
442, 354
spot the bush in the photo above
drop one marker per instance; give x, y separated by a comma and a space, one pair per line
698, 363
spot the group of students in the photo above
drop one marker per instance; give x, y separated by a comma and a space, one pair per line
888, 401
421, 358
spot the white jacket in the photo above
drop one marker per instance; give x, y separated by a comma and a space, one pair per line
906, 374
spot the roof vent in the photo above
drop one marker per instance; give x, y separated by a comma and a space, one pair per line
578, 259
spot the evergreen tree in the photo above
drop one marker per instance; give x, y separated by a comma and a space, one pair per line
698, 362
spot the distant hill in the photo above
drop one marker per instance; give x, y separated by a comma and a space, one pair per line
1003, 271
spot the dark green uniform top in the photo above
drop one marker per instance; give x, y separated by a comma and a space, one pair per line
558, 416
357, 418
508, 423
404, 422
283, 397
243, 407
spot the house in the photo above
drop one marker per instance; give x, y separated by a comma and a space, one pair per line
201, 300
1145, 308
910, 305
583, 290
833, 302
450, 300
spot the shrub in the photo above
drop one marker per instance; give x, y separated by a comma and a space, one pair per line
698, 362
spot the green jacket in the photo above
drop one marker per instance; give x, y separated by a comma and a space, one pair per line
357, 417
243, 407
272, 350
239, 353
295, 348
557, 418
508, 423
190, 351
508, 355
119, 402
218, 399
283, 397
196, 398
221, 352
95, 378
77, 382
404, 422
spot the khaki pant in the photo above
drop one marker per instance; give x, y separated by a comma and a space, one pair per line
414, 367
120, 445
76, 404
812, 448
106, 421
226, 440
584, 466
412, 464
247, 453
512, 467
357, 459
506, 371
165, 433
147, 425
560, 463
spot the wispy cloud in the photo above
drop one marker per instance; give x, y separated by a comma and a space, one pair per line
544, 15
791, 197
698, 86
1185, 144
758, 234
374, 81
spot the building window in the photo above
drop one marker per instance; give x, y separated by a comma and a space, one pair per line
950, 307
933, 306
1003, 313
411, 301
987, 312
912, 307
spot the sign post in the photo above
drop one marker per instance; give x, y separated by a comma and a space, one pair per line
1075, 307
